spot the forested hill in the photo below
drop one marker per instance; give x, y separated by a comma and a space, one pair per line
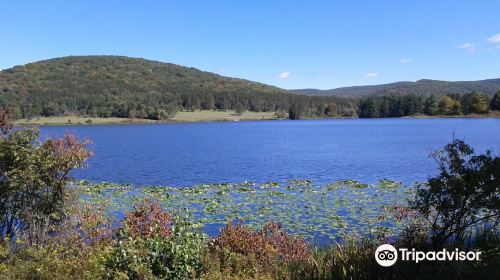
117, 86
424, 87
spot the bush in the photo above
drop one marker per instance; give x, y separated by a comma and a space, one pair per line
463, 196
147, 248
240, 250
76, 248
146, 217
351, 259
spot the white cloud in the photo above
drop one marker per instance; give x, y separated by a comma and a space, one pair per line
405, 60
372, 74
222, 71
495, 39
468, 47
284, 75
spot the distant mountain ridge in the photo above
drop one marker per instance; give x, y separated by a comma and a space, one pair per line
425, 86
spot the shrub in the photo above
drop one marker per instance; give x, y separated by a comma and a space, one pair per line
146, 217
75, 249
146, 247
241, 250
464, 195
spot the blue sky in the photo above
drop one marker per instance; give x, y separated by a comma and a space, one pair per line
290, 44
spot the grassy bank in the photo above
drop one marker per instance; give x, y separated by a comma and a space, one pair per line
206, 115
196, 116
77, 120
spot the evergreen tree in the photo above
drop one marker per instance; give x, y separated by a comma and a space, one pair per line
368, 108
431, 106
495, 102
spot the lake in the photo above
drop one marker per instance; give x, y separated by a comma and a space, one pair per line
324, 151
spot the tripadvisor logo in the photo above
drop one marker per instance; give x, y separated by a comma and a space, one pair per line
387, 255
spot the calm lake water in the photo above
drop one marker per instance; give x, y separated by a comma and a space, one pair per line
260, 151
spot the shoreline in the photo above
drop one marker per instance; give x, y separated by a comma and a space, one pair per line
206, 116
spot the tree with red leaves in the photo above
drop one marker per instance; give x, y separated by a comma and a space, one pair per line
34, 179
5, 120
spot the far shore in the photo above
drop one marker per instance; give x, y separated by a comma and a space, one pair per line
182, 116
196, 116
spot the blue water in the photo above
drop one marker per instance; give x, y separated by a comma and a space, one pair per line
260, 151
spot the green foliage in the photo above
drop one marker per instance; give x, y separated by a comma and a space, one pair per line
33, 181
368, 109
449, 106
413, 104
296, 111
239, 109
114, 86
76, 250
331, 110
352, 259
42, 263
495, 102
479, 104
145, 249
474, 103
431, 106
464, 195
391, 106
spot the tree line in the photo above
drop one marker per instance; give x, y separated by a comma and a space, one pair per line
412, 104
164, 105
160, 106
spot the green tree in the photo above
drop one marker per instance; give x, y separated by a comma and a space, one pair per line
239, 109
495, 102
296, 111
152, 245
431, 106
368, 108
449, 106
464, 195
34, 179
466, 102
479, 104
331, 110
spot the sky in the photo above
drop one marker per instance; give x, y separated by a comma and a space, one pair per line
289, 44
